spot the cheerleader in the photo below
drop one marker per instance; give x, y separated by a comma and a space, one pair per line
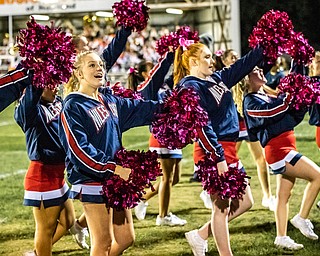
149, 81
193, 67
110, 55
45, 188
91, 127
270, 120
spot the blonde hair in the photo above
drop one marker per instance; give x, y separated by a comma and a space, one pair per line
316, 57
73, 84
238, 92
181, 60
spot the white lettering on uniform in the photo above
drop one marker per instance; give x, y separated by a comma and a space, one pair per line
217, 91
99, 116
53, 111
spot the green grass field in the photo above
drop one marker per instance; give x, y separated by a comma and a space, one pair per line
251, 234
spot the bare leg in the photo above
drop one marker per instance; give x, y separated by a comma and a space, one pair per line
66, 220
262, 167
176, 177
82, 221
237, 208
168, 168
123, 231
284, 187
99, 220
46, 223
307, 170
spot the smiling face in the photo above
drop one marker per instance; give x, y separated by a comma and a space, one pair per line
91, 73
204, 65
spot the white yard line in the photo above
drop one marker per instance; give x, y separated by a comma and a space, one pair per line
18, 172
6, 123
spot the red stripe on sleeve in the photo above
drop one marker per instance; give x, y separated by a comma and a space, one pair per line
88, 161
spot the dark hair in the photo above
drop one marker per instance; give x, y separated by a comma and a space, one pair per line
135, 76
207, 40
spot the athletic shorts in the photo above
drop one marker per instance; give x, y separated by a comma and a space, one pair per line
162, 151
280, 150
45, 182
230, 154
89, 192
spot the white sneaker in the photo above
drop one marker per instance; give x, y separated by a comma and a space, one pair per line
305, 226
285, 242
170, 220
30, 253
141, 210
269, 203
198, 245
206, 199
318, 204
79, 234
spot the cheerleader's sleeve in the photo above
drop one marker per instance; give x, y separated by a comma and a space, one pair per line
12, 85
91, 161
208, 141
112, 52
27, 111
156, 78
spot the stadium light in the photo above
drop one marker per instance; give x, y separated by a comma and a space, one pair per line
174, 11
104, 14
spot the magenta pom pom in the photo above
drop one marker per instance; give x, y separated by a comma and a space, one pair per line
145, 168
48, 51
172, 39
177, 124
304, 91
273, 32
230, 185
132, 14
120, 91
300, 50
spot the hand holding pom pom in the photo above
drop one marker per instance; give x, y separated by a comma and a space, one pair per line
48, 51
229, 185
303, 90
145, 168
176, 126
131, 13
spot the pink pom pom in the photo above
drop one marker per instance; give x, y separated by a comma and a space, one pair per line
180, 119
300, 50
273, 32
172, 39
303, 90
120, 91
145, 168
48, 51
229, 185
131, 13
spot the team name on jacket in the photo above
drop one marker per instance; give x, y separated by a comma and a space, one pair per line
218, 90
52, 111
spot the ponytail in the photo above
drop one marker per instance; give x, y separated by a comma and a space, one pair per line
181, 66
